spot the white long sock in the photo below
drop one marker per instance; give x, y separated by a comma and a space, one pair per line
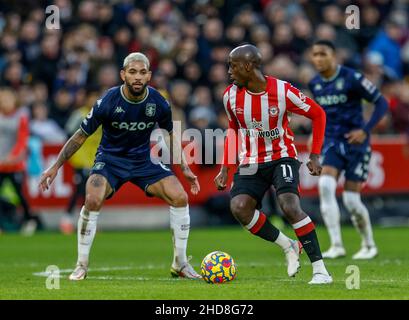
330, 209
180, 225
359, 216
283, 241
87, 227
319, 267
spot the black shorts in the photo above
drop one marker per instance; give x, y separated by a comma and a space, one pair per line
283, 174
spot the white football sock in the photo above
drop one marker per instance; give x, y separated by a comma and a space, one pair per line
319, 267
283, 241
359, 216
329, 208
180, 225
87, 227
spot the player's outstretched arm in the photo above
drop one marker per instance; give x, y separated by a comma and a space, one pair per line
298, 103
70, 147
179, 157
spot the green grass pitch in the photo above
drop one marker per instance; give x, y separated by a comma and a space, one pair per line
135, 265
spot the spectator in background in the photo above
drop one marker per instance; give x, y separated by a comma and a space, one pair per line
45, 67
369, 26
40, 91
61, 107
180, 91
14, 75
212, 36
282, 41
108, 76
43, 127
192, 73
303, 34
29, 42
14, 134
235, 34
386, 43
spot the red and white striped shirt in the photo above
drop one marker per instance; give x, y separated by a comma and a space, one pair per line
262, 122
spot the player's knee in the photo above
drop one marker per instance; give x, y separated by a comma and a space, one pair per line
179, 200
240, 210
291, 209
352, 201
93, 202
327, 186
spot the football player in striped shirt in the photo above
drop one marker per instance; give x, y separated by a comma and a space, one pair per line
257, 107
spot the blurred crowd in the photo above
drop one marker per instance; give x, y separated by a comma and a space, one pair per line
57, 71
55, 75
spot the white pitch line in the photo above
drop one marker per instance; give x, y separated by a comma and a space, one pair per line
361, 280
114, 268
63, 272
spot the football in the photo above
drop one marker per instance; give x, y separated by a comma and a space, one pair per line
218, 267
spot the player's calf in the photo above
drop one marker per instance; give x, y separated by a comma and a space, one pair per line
305, 230
256, 222
242, 207
359, 216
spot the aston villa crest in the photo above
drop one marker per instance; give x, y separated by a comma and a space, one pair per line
150, 109
339, 84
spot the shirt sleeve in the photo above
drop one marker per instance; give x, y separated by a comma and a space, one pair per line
365, 88
231, 141
300, 104
165, 121
93, 119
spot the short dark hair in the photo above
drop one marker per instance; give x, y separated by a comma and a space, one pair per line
327, 43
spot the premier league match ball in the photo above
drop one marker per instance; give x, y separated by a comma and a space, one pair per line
218, 267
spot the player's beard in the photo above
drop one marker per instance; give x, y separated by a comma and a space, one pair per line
136, 93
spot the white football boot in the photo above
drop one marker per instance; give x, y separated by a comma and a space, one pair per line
334, 252
80, 272
292, 255
320, 278
366, 253
184, 271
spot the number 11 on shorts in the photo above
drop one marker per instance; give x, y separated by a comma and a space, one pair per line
290, 171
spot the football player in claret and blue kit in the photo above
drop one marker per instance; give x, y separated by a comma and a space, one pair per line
340, 90
128, 114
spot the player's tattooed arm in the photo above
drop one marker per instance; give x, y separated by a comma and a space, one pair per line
70, 147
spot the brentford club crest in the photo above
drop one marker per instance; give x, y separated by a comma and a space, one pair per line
150, 109
273, 111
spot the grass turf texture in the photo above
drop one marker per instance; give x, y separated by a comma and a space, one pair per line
135, 265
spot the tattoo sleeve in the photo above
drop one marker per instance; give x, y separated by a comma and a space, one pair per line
71, 146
